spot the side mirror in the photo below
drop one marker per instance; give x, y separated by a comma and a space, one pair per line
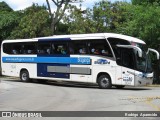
154, 51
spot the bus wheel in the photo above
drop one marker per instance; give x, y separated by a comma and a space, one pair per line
119, 86
24, 76
104, 82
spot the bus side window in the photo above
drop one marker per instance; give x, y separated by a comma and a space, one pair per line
53, 50
117, 41
127, 58
44, 48
82, 50
71, 48
80, 47
28, 48
16, 48
59, 47
7, 48
14, 51
100, 47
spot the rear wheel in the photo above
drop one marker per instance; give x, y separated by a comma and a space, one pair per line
24, 76
104, 82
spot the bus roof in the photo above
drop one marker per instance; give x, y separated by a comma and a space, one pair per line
83, 37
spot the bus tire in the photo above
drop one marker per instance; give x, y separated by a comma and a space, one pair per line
24, 76
104, 82
119, 86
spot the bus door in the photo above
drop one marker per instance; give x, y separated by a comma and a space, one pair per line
125, 74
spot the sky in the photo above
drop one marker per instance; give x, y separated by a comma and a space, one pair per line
22, 4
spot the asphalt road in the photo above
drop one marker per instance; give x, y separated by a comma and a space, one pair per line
60, 96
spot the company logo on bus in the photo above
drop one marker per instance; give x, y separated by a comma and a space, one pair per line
127, 78
102, 61
84, 60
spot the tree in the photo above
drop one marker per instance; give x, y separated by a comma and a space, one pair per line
103, 17
141, 2
78, 20
34, 23
58, 14
5, 7
108, 15
8, 20
142, 23
62, 29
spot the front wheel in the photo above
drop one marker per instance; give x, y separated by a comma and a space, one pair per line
24, 76
104, 82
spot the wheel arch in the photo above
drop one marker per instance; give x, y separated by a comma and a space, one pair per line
103, 73
23, 69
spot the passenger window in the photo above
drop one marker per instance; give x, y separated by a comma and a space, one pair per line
100, 47
59, 48
28, 48
7, 48
16, 48
71, 48
44, 48
78, 47
20, 48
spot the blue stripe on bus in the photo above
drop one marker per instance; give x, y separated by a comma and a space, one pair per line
60, 60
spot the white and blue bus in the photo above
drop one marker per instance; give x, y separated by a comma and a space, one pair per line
106, 59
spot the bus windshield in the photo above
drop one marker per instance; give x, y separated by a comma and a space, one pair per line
143, 63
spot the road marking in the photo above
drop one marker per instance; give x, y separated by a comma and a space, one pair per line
153, 106
147, 100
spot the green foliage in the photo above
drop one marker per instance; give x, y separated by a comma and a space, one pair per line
104, 17
4, 7
62, 29
34, 23
79, 21
144, 2
8, 21
142, 22
109, 15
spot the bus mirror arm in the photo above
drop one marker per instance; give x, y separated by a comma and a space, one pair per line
134, 47
154, 51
